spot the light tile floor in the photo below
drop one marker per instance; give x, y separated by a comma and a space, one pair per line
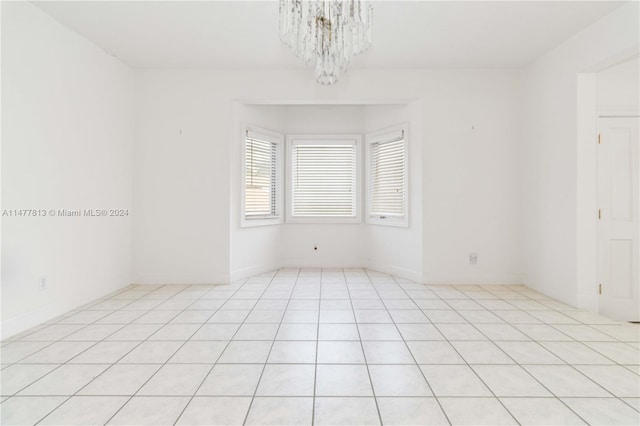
326, 346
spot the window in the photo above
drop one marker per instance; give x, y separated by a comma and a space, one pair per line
387, 177
323, 178
261, 178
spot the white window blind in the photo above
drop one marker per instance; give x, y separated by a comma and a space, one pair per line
387, 180
261, 186
323, 179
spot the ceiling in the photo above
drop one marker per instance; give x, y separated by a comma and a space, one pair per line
244, 34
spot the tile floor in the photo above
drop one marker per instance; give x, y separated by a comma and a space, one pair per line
335, 346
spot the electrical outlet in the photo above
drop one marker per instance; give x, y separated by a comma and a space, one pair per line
43, 284
473, 258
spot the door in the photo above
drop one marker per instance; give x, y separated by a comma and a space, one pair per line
619, 203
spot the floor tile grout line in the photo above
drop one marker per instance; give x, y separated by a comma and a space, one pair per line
143, 297
310, 323
409, 349
18, 337
626, 345
565, 363
184, 342
67, 335
470, 366
123, 356
228, 342
329, 363
266, 360
527, 371
315, 367
95, 343
528, 339
459, 311
584, 343
613, 362
489, 340
364, 354
557, 311
629, 343
59, 365
591, 326
453, 347
110, 365
94, 322
342, 396
572, 365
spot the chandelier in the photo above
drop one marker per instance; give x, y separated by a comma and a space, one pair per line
326, 33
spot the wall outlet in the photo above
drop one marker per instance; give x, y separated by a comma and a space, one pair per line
43, 284
473, 258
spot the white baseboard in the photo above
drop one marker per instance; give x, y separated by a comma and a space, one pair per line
242, 273
16, 325
472, 279
150, 278
394, 270
532, 283
320, 263
589, 302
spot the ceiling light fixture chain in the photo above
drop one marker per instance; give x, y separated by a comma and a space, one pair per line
326, 33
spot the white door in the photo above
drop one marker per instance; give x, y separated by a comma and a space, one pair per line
619, 203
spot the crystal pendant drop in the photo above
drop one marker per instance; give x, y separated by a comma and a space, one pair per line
326, 34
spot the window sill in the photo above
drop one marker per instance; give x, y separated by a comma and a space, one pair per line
322, 219
398, 222
252, 223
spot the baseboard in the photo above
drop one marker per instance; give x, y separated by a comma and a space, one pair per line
531, 283
16, 325
472, 279
242, 273
319, 263
396, 271
589, 302
149, 278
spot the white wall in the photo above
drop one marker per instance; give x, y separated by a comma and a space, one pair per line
261, 248
393, 249
338, 244
397, 250
181, 179
69, 121
470, 180
558, 159
257, 249
66, 144
619, 86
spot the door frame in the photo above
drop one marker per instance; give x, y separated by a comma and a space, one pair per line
604, 114
586, 225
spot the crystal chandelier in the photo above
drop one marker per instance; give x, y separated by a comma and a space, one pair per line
326, 33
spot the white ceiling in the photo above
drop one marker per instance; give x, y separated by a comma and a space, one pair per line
243, 34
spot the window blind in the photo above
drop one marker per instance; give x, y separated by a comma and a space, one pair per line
260, 199
324, 180
387, 178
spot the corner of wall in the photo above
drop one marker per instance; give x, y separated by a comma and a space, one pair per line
396, 271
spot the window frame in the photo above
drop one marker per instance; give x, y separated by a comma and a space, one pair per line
277, 139
316, 139
378, 136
